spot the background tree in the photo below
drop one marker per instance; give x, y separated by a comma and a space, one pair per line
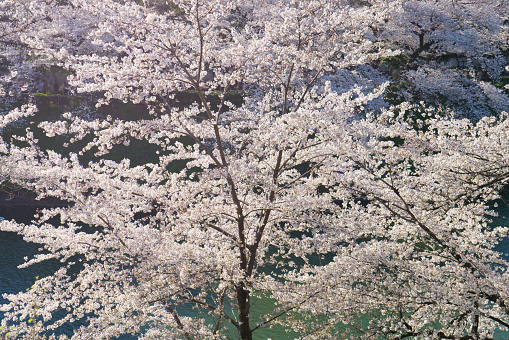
244, 198
452, 53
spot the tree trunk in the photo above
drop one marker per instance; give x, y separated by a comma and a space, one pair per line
243, 305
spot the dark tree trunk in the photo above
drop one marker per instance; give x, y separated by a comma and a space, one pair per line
243, 305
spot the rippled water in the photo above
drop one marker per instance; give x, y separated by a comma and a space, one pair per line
12, 280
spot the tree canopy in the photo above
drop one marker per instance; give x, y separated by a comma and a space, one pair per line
340, 157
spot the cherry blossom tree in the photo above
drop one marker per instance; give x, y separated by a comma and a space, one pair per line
452, 53
305, 190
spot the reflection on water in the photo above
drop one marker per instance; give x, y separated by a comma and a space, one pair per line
12, 280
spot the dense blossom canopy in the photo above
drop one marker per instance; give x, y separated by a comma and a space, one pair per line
335, 157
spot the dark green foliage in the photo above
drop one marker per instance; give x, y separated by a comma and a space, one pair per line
394, 62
